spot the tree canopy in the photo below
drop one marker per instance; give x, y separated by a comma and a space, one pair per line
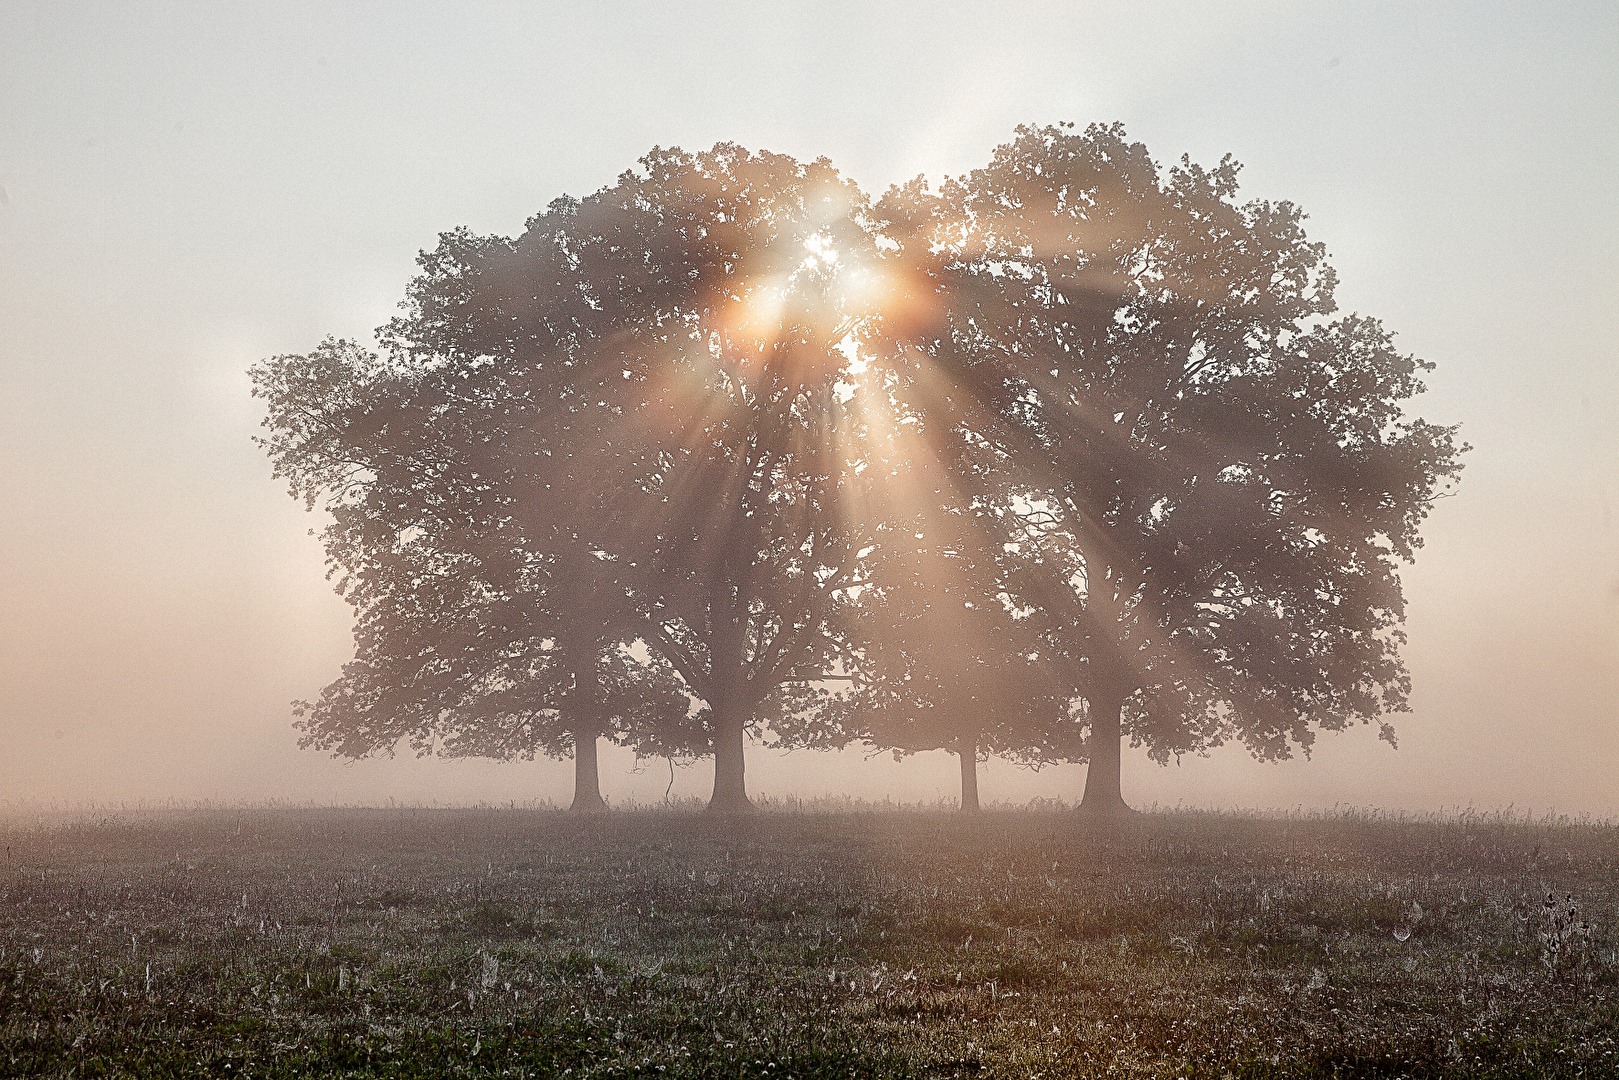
1069, 449
1216, 471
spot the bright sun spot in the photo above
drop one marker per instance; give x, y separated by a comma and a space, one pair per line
820, 250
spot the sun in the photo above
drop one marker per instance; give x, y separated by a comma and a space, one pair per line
821, 250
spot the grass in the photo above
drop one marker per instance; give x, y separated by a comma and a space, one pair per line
524, 943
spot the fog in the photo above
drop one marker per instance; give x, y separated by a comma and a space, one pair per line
186, 189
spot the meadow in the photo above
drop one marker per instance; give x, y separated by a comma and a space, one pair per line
841, 942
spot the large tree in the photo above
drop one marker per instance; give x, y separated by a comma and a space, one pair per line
1217, 474
633, 411
477, 633
724, 268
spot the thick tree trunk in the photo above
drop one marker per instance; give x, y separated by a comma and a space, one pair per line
1103, 794
967, 751
730, 781
587, 792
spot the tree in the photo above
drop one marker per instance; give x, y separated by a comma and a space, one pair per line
950, 666
477, 634
626, 424
724, 267
1217, 476
949, 659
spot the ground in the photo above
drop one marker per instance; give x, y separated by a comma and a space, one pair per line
517, 942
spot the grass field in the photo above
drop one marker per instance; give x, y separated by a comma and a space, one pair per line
509, 942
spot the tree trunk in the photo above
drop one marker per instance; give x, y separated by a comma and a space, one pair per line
967, 751
1103, 794
587, 792
730, 786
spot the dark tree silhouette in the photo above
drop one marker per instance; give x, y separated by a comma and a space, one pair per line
950, 660
722, 267
1071, 427
951, 667
477, 633
626, 425
1217, 476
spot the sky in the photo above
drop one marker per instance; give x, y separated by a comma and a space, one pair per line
188, 188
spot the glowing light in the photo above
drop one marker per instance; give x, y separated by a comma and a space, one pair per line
820, 250
757, 316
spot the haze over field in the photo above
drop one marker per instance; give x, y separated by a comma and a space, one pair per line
184, 191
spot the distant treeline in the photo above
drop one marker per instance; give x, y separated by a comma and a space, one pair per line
1067, 450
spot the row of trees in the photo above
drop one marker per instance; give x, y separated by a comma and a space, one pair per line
1068, 450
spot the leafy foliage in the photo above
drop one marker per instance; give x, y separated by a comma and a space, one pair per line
1217, 475
1070, 448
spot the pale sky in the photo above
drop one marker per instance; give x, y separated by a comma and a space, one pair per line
187, 188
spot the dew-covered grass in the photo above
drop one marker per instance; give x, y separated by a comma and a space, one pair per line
512, 942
